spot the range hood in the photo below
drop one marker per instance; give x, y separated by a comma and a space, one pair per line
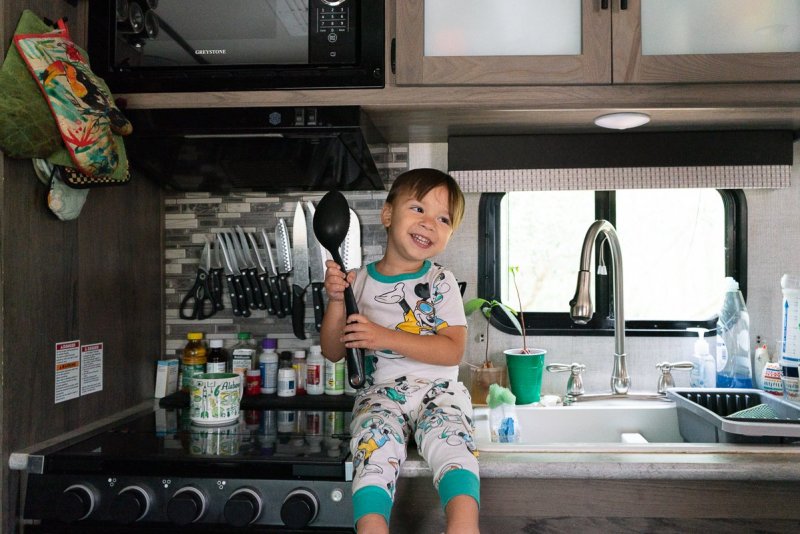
268, 149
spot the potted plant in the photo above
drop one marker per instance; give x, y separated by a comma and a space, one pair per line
483, 376
524, 365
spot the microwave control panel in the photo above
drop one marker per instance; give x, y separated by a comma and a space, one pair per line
332, 37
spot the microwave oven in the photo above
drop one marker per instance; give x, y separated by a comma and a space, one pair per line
236, 45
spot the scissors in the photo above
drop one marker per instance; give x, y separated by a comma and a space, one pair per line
201, 296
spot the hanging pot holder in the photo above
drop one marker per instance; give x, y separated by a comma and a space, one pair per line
79, 101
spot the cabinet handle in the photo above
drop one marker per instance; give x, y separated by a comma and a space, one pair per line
623, 5
603, 4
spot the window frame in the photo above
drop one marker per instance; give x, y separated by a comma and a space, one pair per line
602, 323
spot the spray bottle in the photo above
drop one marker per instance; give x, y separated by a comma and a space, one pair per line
704, 372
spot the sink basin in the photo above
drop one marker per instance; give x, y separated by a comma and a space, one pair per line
617, 421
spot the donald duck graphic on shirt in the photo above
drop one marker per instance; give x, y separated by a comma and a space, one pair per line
421, 319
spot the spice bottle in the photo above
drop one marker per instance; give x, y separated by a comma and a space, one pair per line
287, 378
299, 364
315, 371
193, 359
217, 361
268, 366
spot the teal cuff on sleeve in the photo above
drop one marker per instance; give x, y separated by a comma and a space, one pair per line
459, 482
371, 500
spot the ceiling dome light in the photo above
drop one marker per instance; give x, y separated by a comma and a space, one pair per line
622, 121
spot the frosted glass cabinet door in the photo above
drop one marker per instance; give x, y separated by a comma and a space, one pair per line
706, 41
522, 42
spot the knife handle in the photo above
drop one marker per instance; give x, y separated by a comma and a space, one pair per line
258, 298
248, 290
216, 288
263, 283
274, 296
298, 311
238, 283
234, 297
286, 298
319, 304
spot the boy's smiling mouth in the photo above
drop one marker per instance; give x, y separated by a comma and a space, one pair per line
421, 240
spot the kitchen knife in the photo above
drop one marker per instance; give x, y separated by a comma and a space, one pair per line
284, 264
300, 278
351, 248
235, 290
263, 277
216, 277
237, 258
317, 256
252, 271
274, 291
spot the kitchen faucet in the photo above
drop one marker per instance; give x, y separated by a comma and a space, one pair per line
580, 310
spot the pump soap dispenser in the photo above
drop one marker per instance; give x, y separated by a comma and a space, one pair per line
704, 372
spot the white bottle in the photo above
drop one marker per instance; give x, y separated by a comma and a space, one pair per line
734, 368
704, 372
287, 385
268, 366
315, 371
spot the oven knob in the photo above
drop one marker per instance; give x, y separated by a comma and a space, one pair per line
299, 508
130, 505
75, 503
242, 508
186, 505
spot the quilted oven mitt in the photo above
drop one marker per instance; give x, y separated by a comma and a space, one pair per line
27, 129
80, 102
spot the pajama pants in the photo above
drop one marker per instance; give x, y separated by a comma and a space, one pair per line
439, 413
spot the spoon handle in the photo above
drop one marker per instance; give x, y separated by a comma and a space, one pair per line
355, 357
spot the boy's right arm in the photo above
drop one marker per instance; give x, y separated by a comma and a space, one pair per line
335, 315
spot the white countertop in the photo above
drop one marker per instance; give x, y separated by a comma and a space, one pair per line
655, 462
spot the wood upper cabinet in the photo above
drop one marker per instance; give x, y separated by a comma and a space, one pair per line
663, 41
473, 31
540, 42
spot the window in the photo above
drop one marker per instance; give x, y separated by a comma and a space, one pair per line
677, 247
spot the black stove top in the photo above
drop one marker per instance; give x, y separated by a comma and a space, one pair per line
263, 444
277, 467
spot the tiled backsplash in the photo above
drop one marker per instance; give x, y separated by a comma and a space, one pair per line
190, 218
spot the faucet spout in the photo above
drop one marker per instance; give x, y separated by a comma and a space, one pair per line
581, 304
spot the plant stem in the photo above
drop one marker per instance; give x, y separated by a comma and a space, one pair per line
521, 312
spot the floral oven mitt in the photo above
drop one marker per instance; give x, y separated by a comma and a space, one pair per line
80, 102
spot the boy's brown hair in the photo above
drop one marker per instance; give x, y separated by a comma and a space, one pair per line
419, 182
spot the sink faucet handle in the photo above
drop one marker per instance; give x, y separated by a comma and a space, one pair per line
665, 380
575, 381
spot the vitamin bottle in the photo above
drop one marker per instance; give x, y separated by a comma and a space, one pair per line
217, 361
299, 364
287, 379
243, 355
268, 366
315, 371
193, 359
334, 377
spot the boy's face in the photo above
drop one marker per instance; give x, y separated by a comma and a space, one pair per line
418, 229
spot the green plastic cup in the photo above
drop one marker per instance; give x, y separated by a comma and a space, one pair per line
525, 374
